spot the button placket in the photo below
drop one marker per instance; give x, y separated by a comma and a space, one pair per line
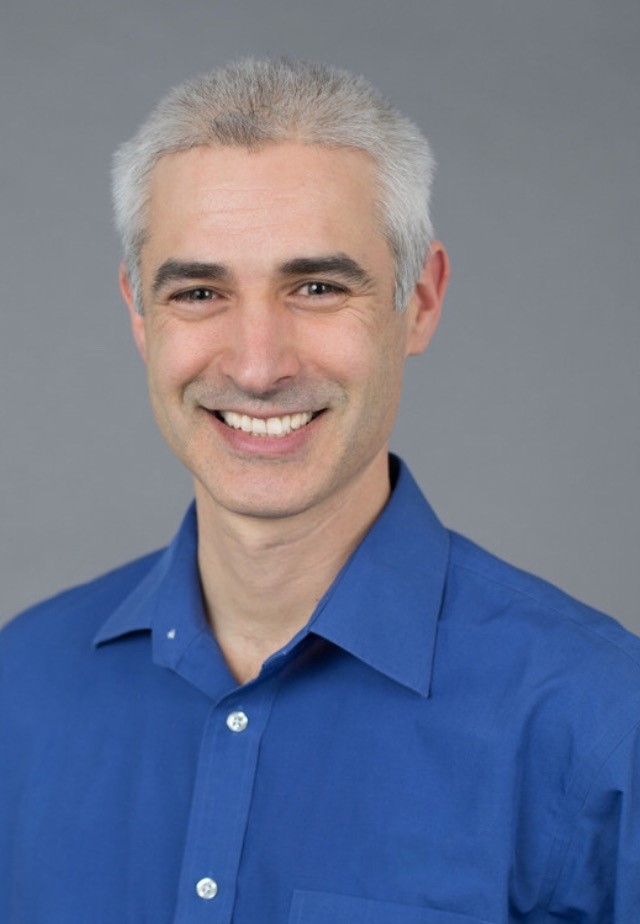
221, 804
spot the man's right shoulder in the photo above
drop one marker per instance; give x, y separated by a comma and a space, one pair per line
81, 609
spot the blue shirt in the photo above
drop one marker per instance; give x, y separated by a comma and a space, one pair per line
448, 741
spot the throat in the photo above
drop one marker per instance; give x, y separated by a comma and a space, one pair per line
262, 578
245, 654
259, 596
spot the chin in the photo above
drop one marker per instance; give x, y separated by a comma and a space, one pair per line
264, 499
261, 509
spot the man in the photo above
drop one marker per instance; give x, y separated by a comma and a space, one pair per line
316, 705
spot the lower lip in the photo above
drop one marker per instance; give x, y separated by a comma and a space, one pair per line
246, 444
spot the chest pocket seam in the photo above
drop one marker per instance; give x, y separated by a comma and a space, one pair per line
332, 908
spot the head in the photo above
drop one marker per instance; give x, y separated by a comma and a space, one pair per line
273, 215
254, 103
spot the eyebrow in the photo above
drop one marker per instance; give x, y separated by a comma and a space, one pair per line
333, 264
175, 270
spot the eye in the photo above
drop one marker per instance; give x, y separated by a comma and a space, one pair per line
317, 289
199, 294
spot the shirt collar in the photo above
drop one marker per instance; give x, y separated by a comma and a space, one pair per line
167, 600
382, 608
384, 605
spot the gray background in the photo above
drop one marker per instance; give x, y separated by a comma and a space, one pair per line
521, 422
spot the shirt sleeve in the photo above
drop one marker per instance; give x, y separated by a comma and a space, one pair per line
599, 876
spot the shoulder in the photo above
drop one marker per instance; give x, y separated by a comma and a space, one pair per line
570, 673
535, 606
74, 614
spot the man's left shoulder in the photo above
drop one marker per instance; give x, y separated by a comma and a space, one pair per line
559, 678
551, 625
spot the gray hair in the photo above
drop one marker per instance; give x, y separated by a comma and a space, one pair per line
252, 103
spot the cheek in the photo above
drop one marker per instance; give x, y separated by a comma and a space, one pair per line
350, 348
386, 374
345, 359
175, 357
369, 365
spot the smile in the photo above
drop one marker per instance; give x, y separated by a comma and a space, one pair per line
269, 426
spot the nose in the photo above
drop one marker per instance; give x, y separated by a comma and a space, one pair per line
261, 352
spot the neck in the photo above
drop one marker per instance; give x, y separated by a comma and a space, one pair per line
263, 578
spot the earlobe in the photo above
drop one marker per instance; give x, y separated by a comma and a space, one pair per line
135, 318
427, 299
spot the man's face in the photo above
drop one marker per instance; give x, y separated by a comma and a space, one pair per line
273, 351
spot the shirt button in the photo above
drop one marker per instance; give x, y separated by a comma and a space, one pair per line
237, 721
207, 888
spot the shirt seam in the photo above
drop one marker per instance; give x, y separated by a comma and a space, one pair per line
598, 770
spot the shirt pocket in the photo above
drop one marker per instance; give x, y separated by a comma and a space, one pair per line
325, 908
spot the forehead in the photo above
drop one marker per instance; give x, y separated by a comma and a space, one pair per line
284, 192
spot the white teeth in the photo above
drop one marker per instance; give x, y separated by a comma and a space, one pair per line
233, 420
274, 426
271, 426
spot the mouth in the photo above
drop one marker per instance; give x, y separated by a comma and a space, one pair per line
267, 426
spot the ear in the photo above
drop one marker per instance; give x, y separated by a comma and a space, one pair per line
135, 318
425, 304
